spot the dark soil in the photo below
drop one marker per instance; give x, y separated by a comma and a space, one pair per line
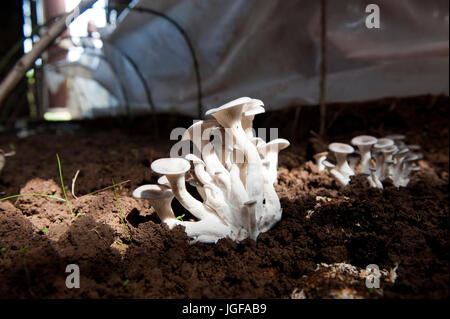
323, 225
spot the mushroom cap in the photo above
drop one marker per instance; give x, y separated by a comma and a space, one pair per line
390, 149
411, 158
152, 192
171, 166
363, 140
396, 137
327, 164
341, 148
194, 159
250, 202
277, 145
163, 181
401, 151
254, 111
202, 125
237, 104
254, 107
383, 142
319, 155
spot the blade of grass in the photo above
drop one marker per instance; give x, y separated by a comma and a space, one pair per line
63, 188
106, 188
125, 227
41, 195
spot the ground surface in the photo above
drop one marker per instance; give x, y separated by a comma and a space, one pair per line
326, 237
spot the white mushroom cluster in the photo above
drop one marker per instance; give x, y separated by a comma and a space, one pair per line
378, 158
234, 173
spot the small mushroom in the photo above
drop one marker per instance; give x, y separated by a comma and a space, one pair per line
386, 169
342, 179
341, 150
402, 177
373, 178
379, 158
270, 152
383, 142
319, 158
399, 139
364, 144
160, 199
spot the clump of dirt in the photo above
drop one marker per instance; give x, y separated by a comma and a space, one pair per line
327, 236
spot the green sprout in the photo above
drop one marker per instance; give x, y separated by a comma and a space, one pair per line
79, 214
44, 230
63, 188
325, 170
12, 146
180, 217
125, 227
23, 250
126, 282
3, 249
372, 290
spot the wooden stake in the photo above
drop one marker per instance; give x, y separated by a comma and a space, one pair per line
26, 62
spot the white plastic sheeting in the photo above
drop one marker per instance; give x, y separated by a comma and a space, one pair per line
270, 50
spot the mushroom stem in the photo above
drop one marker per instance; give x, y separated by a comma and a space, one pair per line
341, 178
365, 157
373, 179
342, 165
319, 163
195, 207
159, 197
249, 210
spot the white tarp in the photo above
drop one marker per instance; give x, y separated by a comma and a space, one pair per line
270, 50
